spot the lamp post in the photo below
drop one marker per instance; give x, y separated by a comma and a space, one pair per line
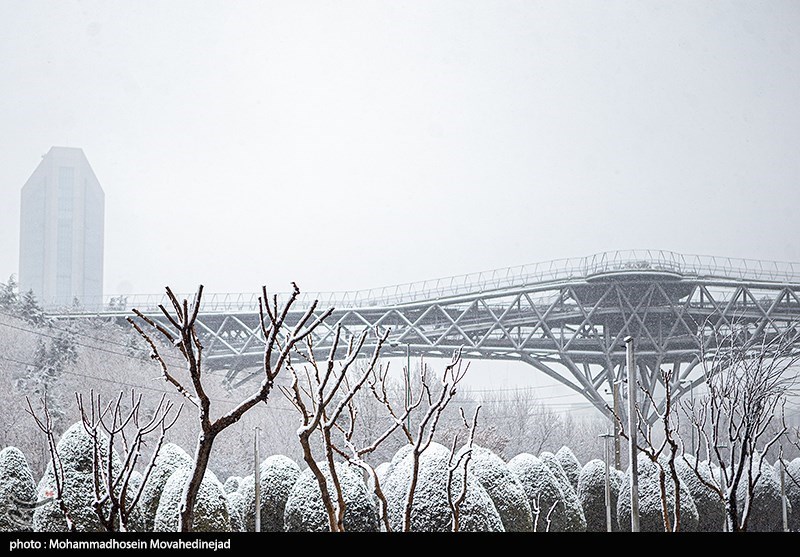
784, 501
617, 449
257, 479
687, 381
408, 385
632, 425
395, 344
606, 458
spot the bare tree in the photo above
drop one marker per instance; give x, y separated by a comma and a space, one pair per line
114, 500
45, 424
321, 398
460, 461
748, 374
280, 340
519, 422
420, 394
654, 449
654, 444
356, 453
453, 373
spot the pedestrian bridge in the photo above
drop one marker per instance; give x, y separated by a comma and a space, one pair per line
566, 318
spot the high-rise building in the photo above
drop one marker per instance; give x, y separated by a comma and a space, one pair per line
61, 231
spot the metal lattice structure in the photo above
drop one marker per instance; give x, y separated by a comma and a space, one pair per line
566, 318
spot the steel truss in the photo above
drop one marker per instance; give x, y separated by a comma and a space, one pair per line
569, 326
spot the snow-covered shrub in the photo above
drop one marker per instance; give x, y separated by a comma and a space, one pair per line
237, 502
552, 462
381, 470
570, 464
766, 513
75, 449
592, 495
234, 511
710, 508
232, 484
134, 482
504, 488
791, 482
573, 505
431, 511
305, 511
651, 517
278, 475
211, 512
16, 485
550, 508
170, 458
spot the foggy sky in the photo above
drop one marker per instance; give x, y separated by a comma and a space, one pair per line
348, 145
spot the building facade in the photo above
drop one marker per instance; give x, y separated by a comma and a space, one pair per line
61, 231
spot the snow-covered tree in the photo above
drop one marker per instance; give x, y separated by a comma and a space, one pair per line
211, 513
170, 458
237, 503
232, 484
749, 377
381, 470
791, 482
17, 491
591, 494
280, 340
651, 511
548, 503
504, 488
431, 511
9, 297
696, 476
570, 464
75, 458
305, 512
572, 504
765, 513
278, 473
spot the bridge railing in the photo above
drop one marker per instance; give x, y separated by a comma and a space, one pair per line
522, 275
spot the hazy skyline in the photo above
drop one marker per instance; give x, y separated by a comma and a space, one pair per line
351, 145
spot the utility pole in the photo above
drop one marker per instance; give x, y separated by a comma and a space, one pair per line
607, 457
784, 510
688, 383
408, 384
632, 426
617, 444
257, 478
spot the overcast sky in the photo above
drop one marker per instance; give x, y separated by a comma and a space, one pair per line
349, 144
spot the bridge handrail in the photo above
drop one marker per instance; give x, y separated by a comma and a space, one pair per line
521, 275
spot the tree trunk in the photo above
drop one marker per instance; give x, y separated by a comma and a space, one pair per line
204, 444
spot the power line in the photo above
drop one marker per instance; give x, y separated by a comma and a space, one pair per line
126, 384
84, 335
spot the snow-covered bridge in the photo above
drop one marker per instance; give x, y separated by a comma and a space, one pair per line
566, 318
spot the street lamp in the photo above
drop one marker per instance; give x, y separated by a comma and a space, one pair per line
631, 364
395, 344
784, 500
687, 381
606, 458
408, 386
257, 478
